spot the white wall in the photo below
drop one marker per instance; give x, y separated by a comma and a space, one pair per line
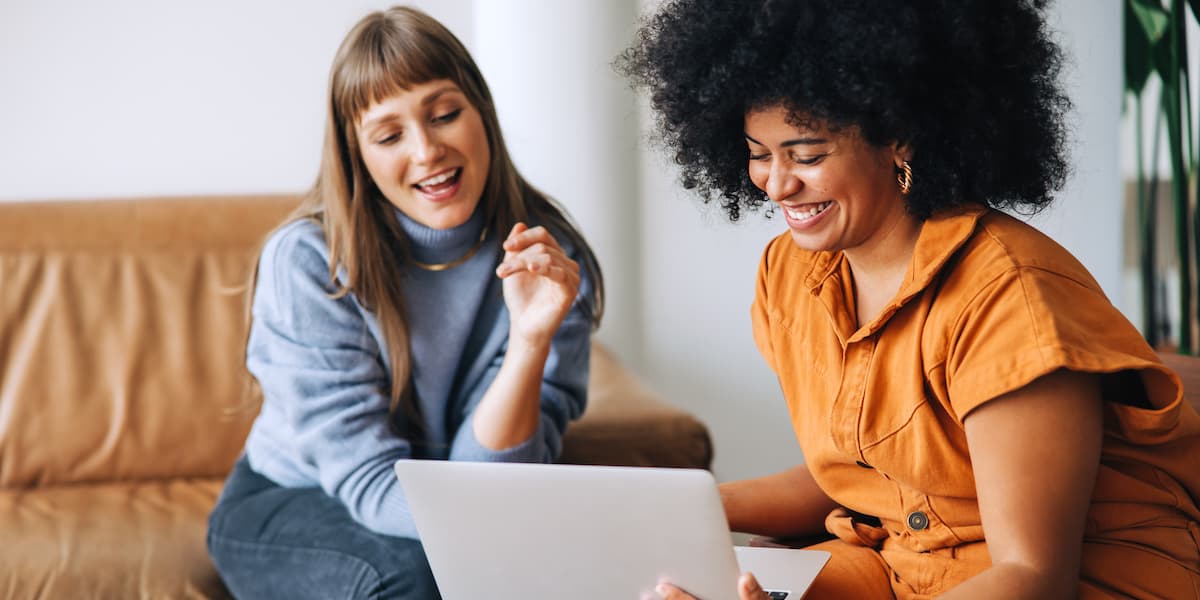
146, 97
152, 97
1087, 216
571, 125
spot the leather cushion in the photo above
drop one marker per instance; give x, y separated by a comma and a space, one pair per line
122, 325
627, 423
143, 540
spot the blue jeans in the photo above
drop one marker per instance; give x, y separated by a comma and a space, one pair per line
269, 541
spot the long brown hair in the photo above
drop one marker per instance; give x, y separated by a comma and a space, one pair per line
384, 53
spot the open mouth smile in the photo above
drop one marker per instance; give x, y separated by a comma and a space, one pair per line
808, 211
439, 183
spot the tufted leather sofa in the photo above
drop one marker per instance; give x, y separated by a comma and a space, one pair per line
124, 401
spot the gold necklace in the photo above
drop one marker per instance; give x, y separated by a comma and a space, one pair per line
458, 261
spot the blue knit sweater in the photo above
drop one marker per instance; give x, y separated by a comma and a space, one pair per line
323, 368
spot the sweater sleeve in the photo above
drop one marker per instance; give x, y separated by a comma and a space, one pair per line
563, 392
322, 373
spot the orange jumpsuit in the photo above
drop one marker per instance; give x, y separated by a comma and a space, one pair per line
988, 305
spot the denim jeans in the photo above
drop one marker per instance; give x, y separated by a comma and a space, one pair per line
269, 541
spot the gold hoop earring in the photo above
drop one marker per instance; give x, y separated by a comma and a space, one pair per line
904, 177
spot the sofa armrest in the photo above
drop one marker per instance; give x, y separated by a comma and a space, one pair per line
628, 424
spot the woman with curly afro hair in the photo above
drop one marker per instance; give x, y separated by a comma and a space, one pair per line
977, 419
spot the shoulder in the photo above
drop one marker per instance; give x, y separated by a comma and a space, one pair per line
1004, 247
294, 264
303, 239
296, 247
1014, 305
1008, 271
779, 251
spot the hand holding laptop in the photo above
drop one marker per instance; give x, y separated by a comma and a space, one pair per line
511, 531
748, 589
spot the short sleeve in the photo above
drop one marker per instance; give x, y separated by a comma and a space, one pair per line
1028, 322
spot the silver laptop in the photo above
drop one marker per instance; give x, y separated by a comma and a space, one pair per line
508, 531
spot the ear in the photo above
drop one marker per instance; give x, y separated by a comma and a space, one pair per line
901, 152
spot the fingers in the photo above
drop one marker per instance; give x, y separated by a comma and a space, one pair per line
669, 592
749, 589
523, 241
536, 251
523, 236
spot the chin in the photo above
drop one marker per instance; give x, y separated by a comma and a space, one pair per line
452, 217
807, 243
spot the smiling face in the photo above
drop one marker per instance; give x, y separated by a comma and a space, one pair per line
836, 190
427, 151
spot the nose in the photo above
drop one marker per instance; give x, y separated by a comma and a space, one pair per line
427, 148
781, 182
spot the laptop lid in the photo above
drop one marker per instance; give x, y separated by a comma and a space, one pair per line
507, 531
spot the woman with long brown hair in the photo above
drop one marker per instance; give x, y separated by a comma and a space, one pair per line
424, 301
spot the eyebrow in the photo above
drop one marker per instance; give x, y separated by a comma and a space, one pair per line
426, 101
805, 141
435, 94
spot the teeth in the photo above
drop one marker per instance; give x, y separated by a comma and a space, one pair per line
438, 179
807, 213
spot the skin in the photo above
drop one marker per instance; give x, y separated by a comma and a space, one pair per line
1035, 451
426, 130
802, 168
432, 129
783, 505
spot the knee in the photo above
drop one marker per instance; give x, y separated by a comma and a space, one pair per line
852, 572
408, 579
264, 571
411, 586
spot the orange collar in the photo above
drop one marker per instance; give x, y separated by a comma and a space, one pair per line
941, 236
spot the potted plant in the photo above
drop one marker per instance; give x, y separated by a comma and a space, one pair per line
1156, 49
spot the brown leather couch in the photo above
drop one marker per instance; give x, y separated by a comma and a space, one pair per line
124, 401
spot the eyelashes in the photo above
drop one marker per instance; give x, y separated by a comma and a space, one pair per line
444, 119
448, 117
811, 160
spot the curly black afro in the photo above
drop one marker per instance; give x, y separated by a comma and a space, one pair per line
971, 85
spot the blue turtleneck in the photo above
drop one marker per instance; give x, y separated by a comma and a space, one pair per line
323, 368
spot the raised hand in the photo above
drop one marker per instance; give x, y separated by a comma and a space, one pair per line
540, 283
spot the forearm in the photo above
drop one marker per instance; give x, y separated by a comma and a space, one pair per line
1012, 581
510, 410
785, 504
1035, 453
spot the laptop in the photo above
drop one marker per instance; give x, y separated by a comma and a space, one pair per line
508, 531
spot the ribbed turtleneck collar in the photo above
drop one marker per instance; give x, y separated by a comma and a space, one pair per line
430, 245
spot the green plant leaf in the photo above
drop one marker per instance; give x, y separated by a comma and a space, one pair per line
1166, 64
1151, 17
1145, 27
